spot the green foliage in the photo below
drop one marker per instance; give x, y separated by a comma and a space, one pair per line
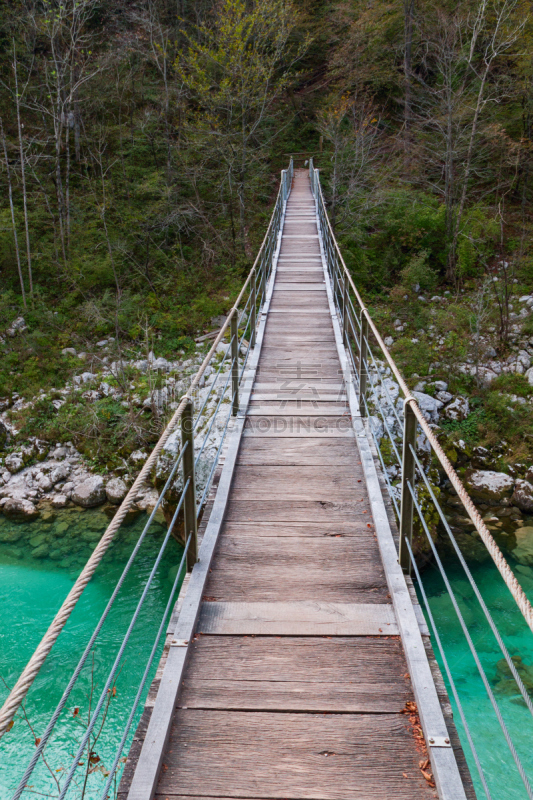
418, 272
406, 236
512, 383
478, 241
468, 429
412, 357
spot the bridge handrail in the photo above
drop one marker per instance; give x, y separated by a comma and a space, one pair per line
256, 284
342, 282
355, 332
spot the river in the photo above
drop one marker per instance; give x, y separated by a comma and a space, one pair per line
501, 773
39, 562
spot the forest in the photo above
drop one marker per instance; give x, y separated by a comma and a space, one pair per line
141, 144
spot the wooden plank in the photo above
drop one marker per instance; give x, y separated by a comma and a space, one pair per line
288, 408
297, 618
299, 287
376, 660
300, 530
305, 425
295, 756
311, 387
274, 694
257, 569
293, 451
305, 403
287, 510
337, 482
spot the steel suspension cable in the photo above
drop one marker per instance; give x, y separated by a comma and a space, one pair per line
113, 670
146, 673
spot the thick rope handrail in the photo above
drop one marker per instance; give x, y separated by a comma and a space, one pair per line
32, 668
497, 556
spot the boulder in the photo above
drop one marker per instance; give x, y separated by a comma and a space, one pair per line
444, 396
116, 490
59, 501
90, 492
85, 377
529, 474
492, 488
147, 500
429, 406
19, 509
14, 462
523, 496
60, 473
17, 326
458, 410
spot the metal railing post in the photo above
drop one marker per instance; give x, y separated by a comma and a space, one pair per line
253, 309
362, 364
262, 281
234, 364
187, 442
345, 312
408, 478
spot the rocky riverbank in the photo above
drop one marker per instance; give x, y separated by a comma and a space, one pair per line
37, 476
500, 486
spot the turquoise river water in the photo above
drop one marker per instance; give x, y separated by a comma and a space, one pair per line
39, 562
500, 771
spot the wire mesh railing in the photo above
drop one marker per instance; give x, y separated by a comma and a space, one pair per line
184, 461
407, 449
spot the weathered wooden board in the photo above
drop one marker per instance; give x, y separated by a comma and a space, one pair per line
301, 276
336, 482
301, 390
299, 530
284, 409
302, 357
376, 660
296, 756
282, 370
304, 425
260, 569
287, 510
299, 287
293, 451
297, 618
306, 402
273, 694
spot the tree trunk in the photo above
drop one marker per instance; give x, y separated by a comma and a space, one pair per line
13, 222
408, 7
23, 171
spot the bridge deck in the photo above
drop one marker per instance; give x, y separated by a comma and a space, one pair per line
296, 682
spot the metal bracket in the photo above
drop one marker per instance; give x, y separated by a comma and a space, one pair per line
179, 643
439, 741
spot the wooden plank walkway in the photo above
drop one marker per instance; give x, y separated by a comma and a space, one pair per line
296, 683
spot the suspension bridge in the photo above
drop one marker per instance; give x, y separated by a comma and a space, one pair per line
296, 661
